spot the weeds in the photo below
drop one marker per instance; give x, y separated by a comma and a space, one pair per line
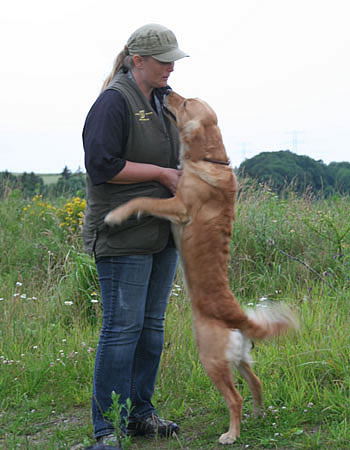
118, 415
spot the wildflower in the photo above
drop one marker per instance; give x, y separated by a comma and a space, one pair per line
310, 405
263, 299
64, 340
1, 298
93, 293
90, 350
34, 298
68, 302
18, 283
24, 296
93, 300
250, 304
16, 294
35, 347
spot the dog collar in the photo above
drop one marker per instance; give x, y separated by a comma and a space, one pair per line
216, 161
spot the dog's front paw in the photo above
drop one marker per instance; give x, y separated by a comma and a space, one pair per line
227, 438
117, 215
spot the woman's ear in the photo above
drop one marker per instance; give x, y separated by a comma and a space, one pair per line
138, 61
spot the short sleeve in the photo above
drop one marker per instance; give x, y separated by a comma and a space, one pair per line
105, 135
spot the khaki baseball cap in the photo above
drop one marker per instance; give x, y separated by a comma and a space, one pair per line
156, 41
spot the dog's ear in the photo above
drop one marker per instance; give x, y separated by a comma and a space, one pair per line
193, 136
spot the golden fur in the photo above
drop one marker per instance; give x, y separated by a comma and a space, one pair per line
202, 213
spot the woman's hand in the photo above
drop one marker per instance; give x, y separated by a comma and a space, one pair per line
138, 172
170, 178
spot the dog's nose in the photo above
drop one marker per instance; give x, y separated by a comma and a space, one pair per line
167, 90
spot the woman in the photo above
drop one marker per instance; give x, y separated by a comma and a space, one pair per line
131, 150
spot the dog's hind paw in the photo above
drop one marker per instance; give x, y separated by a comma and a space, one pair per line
227, 438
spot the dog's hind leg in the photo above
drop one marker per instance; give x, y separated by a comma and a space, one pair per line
212, 340
254, 385
220, 374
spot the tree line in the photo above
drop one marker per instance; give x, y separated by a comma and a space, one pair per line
277, 169
284, 168
30, 184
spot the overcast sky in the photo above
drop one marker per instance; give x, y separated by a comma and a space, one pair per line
277, 73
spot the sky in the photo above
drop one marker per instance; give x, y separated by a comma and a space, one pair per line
277, 73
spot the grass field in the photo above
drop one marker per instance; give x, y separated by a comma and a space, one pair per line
294, 248
49, 178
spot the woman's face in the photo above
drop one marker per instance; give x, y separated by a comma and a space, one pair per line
155, 73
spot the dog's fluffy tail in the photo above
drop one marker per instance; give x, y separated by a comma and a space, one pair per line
268, 320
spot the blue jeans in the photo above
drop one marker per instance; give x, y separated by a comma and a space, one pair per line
135, 291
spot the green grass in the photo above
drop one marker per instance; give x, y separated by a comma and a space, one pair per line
295, 249
49, 178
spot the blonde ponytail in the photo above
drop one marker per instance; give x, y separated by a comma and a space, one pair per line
123, 61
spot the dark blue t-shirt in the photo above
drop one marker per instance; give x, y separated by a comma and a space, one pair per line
105, 135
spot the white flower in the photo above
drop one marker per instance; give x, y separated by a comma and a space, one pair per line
1, 298
35, 346
68, 302
18, 283
93, 300
24, 296
263, 299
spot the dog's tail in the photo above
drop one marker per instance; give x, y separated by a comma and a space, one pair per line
268, 320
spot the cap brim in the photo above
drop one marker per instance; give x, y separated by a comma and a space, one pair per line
171, 56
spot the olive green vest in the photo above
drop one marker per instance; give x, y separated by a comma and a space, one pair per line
153, 139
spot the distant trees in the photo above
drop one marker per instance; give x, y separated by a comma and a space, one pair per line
282, 168
29, 184
69, 183
278, 169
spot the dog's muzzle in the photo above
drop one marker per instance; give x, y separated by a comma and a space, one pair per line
169, 113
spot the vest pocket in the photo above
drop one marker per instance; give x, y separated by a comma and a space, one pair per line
136, 235
146, 234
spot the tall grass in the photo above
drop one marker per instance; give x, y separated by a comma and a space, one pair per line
291, 248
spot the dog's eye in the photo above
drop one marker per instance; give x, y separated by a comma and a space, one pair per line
184, 103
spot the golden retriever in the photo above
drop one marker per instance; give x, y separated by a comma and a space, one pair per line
202, 213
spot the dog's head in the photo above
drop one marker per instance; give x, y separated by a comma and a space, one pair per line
197, 124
